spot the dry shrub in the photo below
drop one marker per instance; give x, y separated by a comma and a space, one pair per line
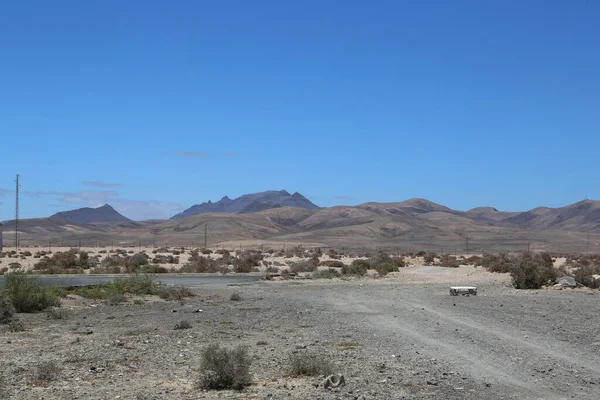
303, 266
200, 264
223, 368
7, 310
175, 293
47, 371
329, 273
449, 261
57, 313
71, 261
305, 364
501, 263
384, 264
357, 267
235, 297
247, 261
532, 271
332, 264
165, 259
429, 258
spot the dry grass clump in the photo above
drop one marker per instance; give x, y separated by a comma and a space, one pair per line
223, 368
306, 364
235, 297
57, 313
47, 371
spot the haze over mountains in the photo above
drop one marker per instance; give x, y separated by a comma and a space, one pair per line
278, 218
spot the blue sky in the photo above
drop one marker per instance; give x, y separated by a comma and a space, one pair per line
154, 106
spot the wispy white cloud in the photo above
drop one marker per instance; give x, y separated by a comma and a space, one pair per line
4, 192
101, 184
230, 155
133, 209
193, 154
89, 198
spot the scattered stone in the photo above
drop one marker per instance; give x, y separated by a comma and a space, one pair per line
432, 383
300, 346
567, 281
333, 381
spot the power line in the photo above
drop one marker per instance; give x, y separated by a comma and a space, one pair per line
17, 213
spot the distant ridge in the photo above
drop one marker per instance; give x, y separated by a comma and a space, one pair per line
89, 215
248, 203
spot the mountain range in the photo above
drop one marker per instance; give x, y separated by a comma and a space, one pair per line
277, 218
250, 203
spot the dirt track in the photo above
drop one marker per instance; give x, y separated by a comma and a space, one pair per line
500, 344
408, 339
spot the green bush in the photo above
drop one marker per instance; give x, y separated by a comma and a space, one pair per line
357, 267
532, 272
223, 368
246, 261
27, 295
235, 297
68, 262
303, 266
326, 274
501, 263
384, 264
305, 364
7, 310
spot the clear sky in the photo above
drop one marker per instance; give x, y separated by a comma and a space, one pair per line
152, 106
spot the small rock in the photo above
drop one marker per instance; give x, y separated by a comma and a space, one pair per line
333, 381
432, 383
300, 346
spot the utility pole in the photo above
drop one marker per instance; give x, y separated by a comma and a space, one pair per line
17, 213
588, 241
206, 235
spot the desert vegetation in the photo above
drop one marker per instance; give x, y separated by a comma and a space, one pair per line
223, 368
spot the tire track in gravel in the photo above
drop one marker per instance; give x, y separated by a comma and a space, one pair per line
486, 351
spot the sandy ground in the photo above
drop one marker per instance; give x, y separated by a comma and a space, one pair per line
409, 339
